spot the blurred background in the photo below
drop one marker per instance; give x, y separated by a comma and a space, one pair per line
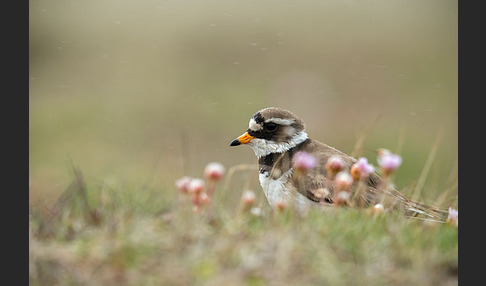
137, 92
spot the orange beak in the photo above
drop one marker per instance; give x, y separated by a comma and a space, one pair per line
243, 139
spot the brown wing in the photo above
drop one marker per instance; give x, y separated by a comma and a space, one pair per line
373, 191
318, 177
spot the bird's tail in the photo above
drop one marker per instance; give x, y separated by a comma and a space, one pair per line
394, 200
419, 210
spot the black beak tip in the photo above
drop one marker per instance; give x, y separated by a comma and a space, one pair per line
235, 142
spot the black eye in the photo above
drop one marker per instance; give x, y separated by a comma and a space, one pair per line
271, 126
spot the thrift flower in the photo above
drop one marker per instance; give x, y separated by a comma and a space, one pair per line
383, 151
248, 198
281, 205
256, 211
343, 181
453, 218
214, 171
196, 186
183, 184
204, 199
341, 198
321, 193
303, 161
389, 162
334, 164
377, 209
361, 169
199, 200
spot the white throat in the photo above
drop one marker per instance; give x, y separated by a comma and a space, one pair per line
263, 147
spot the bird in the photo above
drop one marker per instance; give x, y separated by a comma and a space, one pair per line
276, 135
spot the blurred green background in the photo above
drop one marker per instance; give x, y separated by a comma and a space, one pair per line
136, 92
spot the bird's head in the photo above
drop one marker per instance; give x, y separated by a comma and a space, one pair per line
272, 130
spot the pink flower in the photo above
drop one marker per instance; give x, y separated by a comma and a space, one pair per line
389, 162
343, 181
342, 198
334, 164
321, 193
361, 169
183, 184
248, 198
383, 151
281, 205
214, 171
204, 199
453, 218
199, 200
303, 161
256, 211
196, 186
378, 209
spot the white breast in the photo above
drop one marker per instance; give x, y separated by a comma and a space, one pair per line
277, 190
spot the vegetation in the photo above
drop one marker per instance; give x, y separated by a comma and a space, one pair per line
135, 236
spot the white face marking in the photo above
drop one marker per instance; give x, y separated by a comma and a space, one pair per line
253, 125
263, 147
288, 130
280, 121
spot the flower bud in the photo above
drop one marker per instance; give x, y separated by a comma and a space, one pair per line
255, 211
377, 209
214, 171
196, 186
343, 181
342, 198
248, 198
334, 164
453, 217
303, 161
389, 162
383, 151
183, 184
204, 199
321, 193
281, 205
361, 169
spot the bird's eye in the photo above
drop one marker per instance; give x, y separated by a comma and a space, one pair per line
271, 126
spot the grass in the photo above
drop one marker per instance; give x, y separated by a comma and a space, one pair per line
143, 236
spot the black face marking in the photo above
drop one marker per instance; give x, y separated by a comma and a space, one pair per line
270, 130
264, 134
272, 134
258, 118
